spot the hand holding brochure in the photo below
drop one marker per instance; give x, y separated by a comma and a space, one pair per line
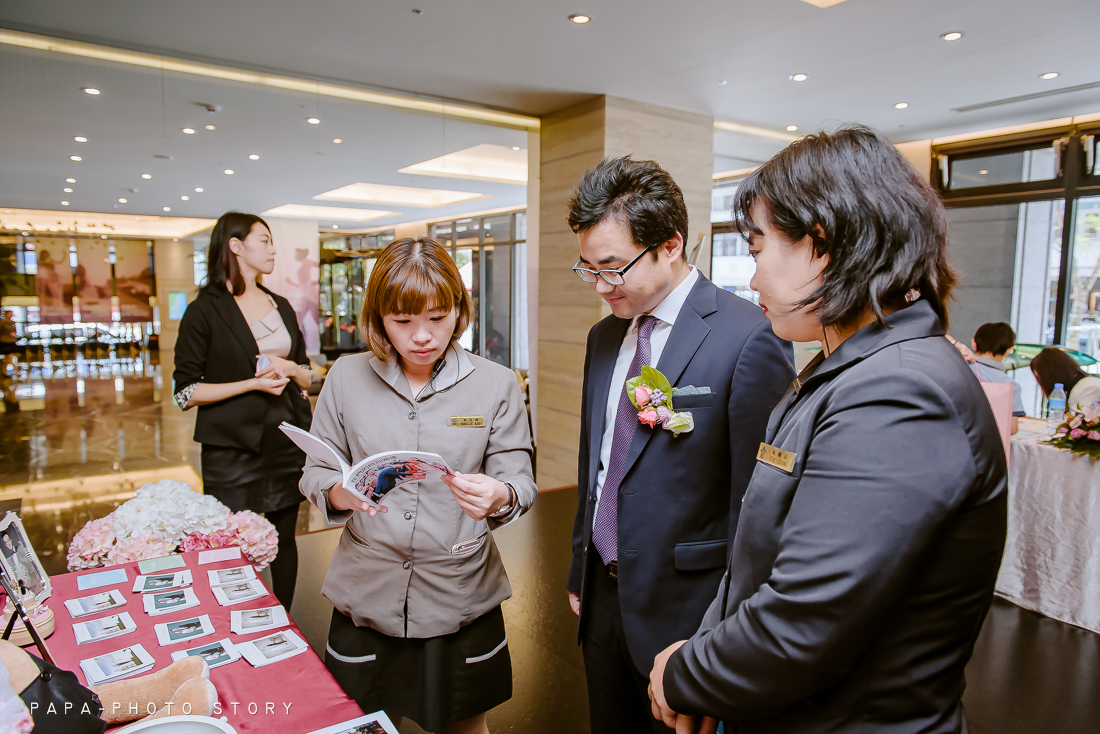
375, 476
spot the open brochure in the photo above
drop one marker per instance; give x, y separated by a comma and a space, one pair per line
375, 476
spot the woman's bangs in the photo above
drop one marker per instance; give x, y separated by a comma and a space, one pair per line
415, 289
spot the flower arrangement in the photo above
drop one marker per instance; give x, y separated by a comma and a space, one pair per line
651, 394
1080, 433
165, 517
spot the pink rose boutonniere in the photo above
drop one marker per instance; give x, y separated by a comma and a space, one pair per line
651, 393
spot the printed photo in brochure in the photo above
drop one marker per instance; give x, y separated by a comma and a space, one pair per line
102, 629
115, 665
169, 633
227, 576
162, 582
273, 648
256, 618
239, 593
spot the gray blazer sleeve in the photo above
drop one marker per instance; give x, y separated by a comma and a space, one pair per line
508, 455
887, 465
328, 423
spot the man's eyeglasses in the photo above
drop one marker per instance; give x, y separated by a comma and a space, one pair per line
611, 277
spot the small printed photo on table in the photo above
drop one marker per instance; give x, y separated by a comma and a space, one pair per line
95, 604
19, 561
162, 582
376, 723
243, 622
169, 633
239, 593
102, 629
116, 665
215, 654
273, 648
229, 576
169, 601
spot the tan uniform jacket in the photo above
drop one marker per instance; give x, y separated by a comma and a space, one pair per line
424, 555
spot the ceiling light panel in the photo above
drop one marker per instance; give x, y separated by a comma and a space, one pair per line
484, 162
306, 211
398, 195
823, 3
91, 222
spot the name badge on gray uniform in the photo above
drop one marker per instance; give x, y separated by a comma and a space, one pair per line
467, 421
780, 459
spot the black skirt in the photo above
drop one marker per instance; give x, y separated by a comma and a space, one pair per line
261, 481
435, 681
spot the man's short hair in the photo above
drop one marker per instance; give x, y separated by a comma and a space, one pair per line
994, 338
640, 194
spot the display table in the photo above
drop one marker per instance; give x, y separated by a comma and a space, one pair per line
1051, 562
304, 695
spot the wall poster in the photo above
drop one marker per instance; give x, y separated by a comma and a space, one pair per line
133, 280
54, 282
92, 281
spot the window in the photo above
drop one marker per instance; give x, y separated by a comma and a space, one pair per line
731, 266
1023, 221
491, 254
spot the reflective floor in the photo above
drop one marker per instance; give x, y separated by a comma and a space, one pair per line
86, 434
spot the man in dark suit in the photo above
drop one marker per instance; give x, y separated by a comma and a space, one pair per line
656, 510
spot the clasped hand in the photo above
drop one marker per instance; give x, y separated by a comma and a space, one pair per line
274, 378
682, 723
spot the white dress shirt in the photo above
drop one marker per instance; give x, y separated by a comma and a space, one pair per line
665, 312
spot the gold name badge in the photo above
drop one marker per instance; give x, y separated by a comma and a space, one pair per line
780, 459
467, 421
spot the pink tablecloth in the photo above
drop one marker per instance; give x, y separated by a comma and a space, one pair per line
304, 694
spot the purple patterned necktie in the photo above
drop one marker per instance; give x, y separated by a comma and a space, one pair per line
605, 531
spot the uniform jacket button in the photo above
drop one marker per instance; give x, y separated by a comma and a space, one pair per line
406, 565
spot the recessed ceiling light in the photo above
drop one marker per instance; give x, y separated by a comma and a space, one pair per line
791, 128
398, 195
228, 172
313, 120
1049, 75
166, 208
326, 213
253, 157
146, 175
175, 239
70, 180
121, 201
198, 189
185, 198
337, 140
91, 90
515, 147
67, 190
64, 203
901, 105
82, 139
579, 18
336, 226
723, 82
210, 127
983, 172
798, 77
483, 162
75, 158
188, 131
952, 35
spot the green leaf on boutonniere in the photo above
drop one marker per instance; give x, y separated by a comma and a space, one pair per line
657, 380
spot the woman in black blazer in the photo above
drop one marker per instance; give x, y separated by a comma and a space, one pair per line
247, 462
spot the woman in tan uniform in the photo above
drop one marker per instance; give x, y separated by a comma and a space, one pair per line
417, 628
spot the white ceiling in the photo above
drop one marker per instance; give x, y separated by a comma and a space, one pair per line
862, 56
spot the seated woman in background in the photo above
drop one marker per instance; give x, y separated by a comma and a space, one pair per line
417, 628
992, 342
1053, 366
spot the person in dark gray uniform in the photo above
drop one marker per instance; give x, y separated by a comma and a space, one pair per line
872, 529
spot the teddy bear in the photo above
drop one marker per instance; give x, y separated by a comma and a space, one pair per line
183, 687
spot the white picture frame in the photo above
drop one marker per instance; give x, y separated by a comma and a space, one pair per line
19, 561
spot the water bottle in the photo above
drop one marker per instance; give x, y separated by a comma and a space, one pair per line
1056, 408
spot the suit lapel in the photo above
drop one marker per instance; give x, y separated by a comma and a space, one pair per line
687, 336
603, 365
230, 313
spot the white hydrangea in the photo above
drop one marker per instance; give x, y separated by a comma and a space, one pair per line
171, 510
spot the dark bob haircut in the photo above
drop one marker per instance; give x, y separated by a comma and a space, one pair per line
863, 205
994, 338
1053, 366
221, 263
641, 194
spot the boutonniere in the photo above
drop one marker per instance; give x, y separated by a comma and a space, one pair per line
651, 394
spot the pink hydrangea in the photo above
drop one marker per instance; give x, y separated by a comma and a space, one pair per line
664, 415
91, 545
216, 539
642, 394
1094, 435
256, 536
1075, 422
139, 547
648, 417
1077, 433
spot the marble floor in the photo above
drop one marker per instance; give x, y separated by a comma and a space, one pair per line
86, 434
